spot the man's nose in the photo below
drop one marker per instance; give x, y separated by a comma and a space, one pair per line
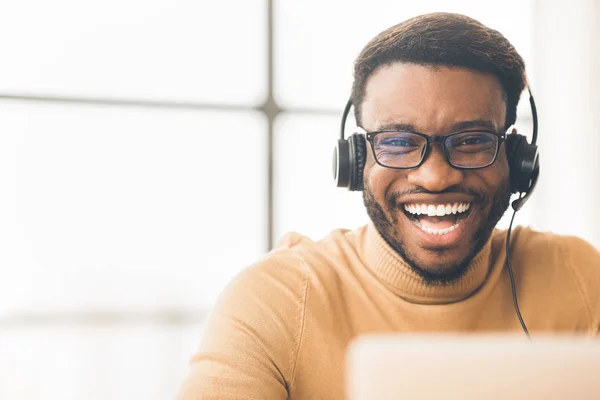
435, 174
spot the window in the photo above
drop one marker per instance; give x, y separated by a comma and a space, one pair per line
119, 208
171, 51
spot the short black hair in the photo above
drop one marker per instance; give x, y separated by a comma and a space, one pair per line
443, 39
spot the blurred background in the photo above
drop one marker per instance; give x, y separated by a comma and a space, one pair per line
150, 149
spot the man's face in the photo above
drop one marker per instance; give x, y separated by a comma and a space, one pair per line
435, 101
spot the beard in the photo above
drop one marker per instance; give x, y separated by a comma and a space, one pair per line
387, 227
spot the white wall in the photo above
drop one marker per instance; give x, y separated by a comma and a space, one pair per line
566, 48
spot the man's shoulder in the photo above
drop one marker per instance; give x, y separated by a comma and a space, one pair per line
579, 255
299, 242
320, 254
568, 248
527, 240
298, 258
564, 257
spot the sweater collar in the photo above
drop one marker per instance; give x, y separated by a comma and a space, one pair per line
400, 278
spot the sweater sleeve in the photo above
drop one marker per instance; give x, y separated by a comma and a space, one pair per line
250, 341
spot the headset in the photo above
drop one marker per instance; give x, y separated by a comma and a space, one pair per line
350, 154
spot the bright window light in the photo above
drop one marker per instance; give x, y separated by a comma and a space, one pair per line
152, 50
126, 208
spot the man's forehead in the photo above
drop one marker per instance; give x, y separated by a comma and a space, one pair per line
447, 97
407, 81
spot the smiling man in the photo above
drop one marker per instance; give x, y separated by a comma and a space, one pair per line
435, 98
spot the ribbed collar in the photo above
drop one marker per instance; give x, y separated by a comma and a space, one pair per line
399, 277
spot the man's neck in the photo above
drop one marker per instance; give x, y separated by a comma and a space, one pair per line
397, 274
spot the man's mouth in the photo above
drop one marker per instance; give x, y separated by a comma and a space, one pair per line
437, 219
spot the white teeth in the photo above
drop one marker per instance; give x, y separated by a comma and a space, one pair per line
438, 210
438, 232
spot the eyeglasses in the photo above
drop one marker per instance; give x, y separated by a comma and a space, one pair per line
470, 149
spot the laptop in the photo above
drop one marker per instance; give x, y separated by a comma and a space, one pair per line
469, 367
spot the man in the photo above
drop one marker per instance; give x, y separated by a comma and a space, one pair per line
430, 260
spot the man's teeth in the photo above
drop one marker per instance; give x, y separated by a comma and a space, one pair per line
438, 210
437, 231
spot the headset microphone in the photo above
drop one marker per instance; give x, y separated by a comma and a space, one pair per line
350, 154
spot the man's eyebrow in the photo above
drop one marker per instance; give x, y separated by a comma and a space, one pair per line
395, 126
476, 123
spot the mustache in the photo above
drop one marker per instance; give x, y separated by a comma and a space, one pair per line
393, 198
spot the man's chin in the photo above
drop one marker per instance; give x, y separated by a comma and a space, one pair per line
439, 266
438, 261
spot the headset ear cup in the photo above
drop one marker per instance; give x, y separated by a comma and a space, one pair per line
358, 151
523, 162
341, 164
529, 167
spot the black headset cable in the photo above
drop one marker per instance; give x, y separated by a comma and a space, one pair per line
512, 277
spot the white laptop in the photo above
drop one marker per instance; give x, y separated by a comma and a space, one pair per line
469, 367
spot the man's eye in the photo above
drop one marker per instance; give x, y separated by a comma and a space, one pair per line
396, 142
473, 141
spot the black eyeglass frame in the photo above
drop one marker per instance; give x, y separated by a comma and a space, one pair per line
434, 139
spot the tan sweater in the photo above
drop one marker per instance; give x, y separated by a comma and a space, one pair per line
280, 330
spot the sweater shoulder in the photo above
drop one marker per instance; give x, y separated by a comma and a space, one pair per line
557, 260
571, 251
286, 270
324, 255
